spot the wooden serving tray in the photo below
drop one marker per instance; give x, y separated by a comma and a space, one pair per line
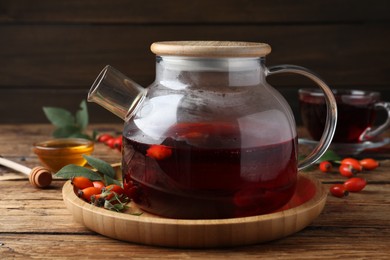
304, 207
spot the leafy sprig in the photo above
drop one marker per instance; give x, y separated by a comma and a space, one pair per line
117, 203
329, 155
69, 125
71, 170
103, 170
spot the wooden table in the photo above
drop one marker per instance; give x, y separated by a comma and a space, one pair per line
34, 223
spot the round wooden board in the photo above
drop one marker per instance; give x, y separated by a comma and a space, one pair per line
304, 207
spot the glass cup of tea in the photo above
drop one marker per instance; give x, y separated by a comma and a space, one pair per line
357, 112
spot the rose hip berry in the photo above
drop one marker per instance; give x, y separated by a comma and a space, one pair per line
114, 142
98, 200
87, 193
98, 184
369, 163
338, 190
118, 143
347, 170
114, 188
111, 189
104, 137
325, 166
353, 162
110, 143
81, 182
355, 184
158, 152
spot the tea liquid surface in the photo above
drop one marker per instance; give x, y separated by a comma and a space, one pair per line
353, 119
200, 171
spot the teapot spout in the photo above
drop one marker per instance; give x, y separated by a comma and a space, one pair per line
116, 92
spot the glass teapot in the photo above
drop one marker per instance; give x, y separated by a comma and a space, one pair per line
210, 138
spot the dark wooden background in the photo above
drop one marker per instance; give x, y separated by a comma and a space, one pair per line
51, 51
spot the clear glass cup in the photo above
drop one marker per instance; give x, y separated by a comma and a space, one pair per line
357, 111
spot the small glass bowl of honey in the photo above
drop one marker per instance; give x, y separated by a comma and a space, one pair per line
56, 153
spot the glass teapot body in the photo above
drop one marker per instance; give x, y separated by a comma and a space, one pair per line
211, 140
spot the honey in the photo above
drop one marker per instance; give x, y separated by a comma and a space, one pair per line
56, 153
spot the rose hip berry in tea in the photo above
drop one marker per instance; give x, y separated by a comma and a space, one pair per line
356, 113
198, 172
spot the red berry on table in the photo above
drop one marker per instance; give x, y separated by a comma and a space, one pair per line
104, 137
118, 143
338, 190
110, 143
325, 166
369, 163
355, 184
347, 170
353, 162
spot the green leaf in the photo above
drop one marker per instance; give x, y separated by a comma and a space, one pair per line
108, 181
71, 170
95, 135
66, 131
80, 135
100, 165
329, 155
68, 125
58, 116
82, 116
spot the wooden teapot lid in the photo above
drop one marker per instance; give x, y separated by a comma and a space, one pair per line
210, 49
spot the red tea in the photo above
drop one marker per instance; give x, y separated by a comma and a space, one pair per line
201, 171
356, 113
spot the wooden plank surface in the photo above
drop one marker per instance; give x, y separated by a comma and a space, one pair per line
35, 223
41, 226
309, 244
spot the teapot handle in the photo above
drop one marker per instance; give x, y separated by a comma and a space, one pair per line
331, 116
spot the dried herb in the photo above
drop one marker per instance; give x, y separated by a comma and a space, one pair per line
117, 203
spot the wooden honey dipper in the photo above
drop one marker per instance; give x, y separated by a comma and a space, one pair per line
39, 176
